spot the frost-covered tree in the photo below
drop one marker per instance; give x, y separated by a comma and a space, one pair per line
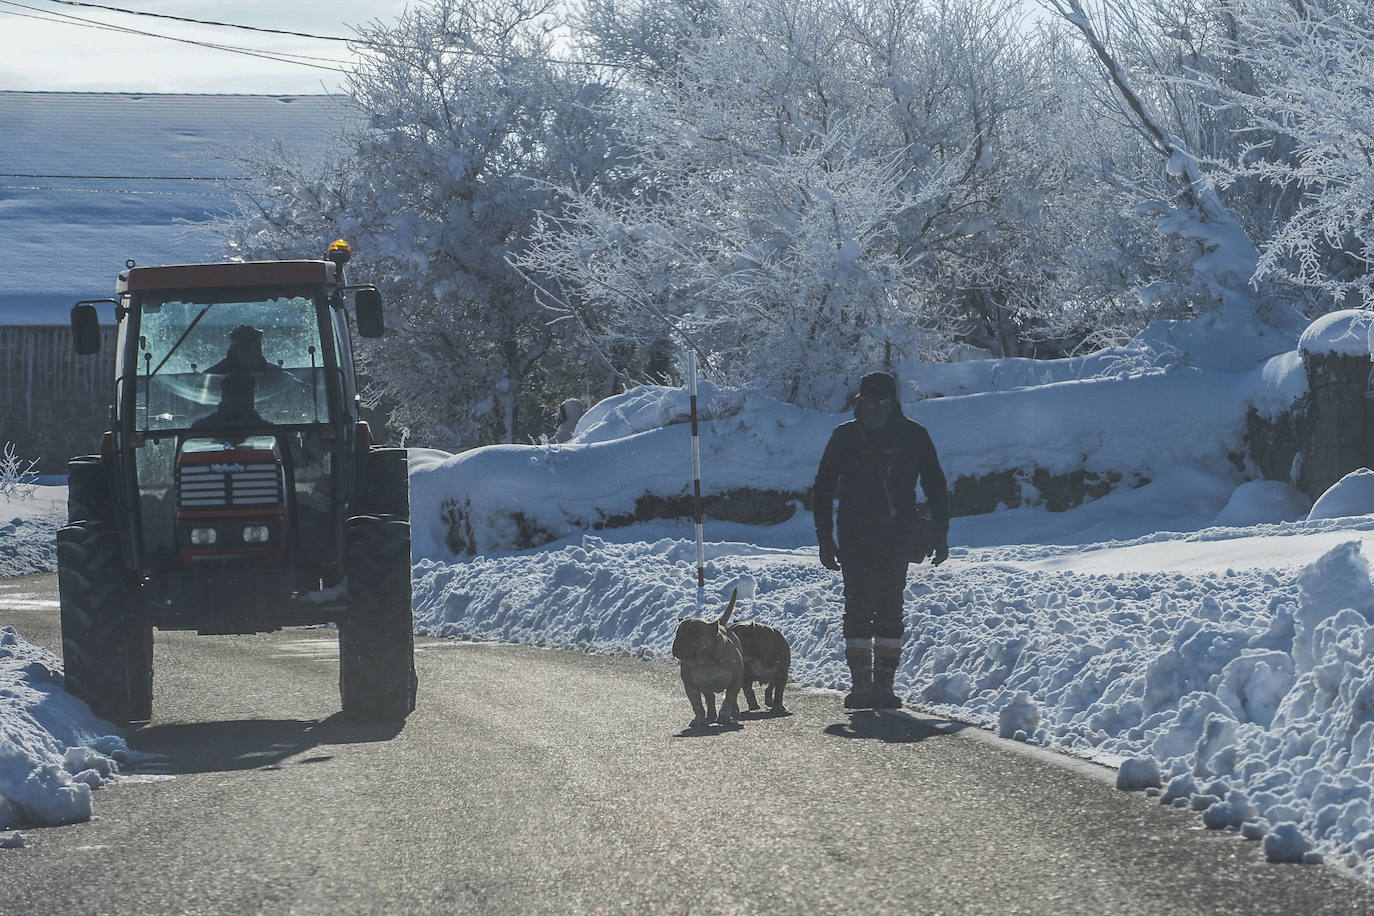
467, 120
645, 38
1026, 244
762, 229
800, 190
1225, 257
1309, 135
827, 186
1180, 75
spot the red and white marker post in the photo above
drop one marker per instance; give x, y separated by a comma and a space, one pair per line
696, 473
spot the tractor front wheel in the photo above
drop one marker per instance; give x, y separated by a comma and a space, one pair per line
107, 658
376, 640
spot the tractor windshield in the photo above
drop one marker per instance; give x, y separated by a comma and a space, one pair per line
224, 359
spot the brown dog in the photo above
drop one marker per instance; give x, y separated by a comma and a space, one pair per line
767, 657
710, 661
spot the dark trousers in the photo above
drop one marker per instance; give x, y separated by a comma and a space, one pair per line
874, 584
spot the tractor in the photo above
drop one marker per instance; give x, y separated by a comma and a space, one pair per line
237, 490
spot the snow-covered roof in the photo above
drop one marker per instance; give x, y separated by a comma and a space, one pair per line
91, 179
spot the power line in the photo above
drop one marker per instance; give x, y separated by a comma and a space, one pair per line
68, 19
285, 57
280, 56
226, 25
201, 195
120, 177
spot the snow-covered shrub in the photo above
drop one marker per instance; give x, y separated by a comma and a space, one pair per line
17, 475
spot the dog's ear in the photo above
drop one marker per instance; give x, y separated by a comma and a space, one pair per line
730, 608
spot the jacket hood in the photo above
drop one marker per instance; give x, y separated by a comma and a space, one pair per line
881, 385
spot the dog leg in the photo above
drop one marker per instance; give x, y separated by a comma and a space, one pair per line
729, 709
750, 698
694, 697
775, 689
710, 696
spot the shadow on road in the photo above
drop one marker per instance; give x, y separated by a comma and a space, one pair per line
709, 731
247, 744
750, 715
865, 723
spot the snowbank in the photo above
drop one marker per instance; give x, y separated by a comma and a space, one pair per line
1262, 502
637, 444
28, 530
53, 751
1352, 495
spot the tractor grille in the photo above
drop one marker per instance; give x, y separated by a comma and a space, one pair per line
233, 484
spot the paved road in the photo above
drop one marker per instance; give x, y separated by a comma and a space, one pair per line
547, 781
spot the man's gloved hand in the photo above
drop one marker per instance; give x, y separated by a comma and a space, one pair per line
830, 557
939, 551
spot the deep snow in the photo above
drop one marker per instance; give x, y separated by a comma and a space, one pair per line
1200, 631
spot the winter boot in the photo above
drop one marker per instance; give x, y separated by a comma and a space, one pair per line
859, 656
887, 655
883, 697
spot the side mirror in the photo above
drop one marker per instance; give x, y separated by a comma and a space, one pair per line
368, 303
85, 329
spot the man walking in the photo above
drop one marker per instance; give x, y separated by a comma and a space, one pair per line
872, 465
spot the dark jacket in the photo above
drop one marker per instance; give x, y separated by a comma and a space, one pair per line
874, 474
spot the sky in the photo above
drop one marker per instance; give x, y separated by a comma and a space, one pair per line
1207, 635
54, 46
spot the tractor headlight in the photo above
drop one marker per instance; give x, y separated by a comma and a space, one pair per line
255, 534
203, 537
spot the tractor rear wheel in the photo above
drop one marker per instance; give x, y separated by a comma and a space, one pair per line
376, 640
107, 659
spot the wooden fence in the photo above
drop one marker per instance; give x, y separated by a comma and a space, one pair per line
53, 403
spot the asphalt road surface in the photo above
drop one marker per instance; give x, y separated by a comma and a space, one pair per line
550, 781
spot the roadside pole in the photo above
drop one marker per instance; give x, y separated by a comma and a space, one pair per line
696, 477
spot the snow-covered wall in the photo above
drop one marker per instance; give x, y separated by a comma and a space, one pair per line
638, 444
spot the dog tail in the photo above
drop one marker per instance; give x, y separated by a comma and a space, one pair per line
729, 609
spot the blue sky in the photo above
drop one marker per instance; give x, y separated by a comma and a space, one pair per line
47, 48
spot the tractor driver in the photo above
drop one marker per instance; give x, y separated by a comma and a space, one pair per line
235, 403
245, 353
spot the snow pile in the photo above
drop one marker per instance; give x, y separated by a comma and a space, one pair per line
53, 751
1353, 494
1262, 502
1019, 717
28, 540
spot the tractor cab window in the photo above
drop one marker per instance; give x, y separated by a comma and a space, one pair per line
224, 359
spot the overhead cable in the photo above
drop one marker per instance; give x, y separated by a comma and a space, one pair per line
226, 25
68, 19
282, 56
